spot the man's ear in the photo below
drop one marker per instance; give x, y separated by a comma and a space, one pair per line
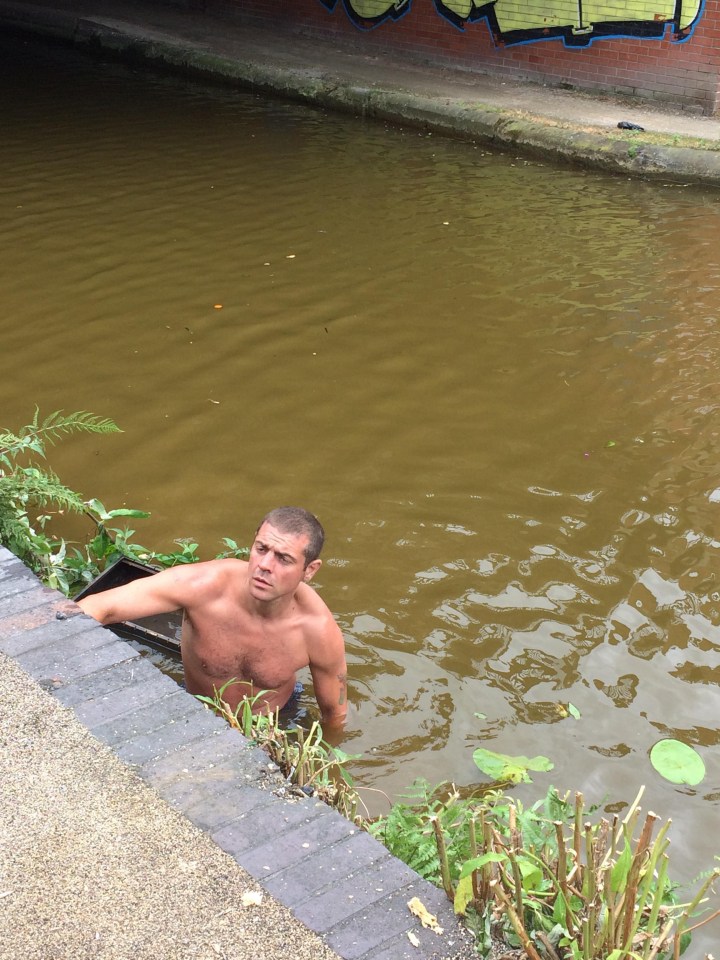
311, 569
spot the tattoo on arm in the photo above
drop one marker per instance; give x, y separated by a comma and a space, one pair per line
342, 677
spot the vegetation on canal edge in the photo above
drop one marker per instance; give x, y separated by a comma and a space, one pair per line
546, 881
303, 756
32, 496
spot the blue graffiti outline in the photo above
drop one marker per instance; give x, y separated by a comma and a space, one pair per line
394, 13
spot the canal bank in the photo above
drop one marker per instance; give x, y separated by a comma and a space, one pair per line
557, 124
137, 824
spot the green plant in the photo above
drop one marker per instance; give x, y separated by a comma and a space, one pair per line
504, 768
546, 879
32, 496
677, 762
304, 757
410, 831
28, 490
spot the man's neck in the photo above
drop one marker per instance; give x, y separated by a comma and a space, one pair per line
276, 609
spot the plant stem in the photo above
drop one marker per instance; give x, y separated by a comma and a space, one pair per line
442, 854
657, 903
562, 874
515, 920
631, 921
475, 875
517, 883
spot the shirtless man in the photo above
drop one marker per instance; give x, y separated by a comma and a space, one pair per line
257, 622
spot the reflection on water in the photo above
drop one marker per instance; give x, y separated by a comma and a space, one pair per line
493, 380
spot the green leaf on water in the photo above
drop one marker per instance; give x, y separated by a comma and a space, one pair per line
573, 711
500, 766
677, 762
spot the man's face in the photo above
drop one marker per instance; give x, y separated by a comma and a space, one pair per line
277, 563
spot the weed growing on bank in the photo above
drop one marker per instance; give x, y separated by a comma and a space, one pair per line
304, 757
548, 880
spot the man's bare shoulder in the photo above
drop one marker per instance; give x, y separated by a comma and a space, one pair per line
320, 627
225, 567
210, 577
311, 603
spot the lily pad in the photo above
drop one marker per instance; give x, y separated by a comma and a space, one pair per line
500, 766
677, 762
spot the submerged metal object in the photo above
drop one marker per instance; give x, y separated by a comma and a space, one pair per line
162, 631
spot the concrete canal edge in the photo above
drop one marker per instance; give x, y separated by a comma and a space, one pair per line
205, 48
337, 880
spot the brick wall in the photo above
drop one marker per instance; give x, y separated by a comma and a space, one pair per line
656, 68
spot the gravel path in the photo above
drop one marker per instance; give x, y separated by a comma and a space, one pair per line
94, 864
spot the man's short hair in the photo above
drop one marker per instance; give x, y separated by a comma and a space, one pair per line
299, 522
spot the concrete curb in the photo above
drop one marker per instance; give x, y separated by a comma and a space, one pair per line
338, 881
452, 117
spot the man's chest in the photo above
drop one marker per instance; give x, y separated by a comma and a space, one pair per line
240, 646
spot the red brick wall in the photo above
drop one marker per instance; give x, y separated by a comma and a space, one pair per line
685, 73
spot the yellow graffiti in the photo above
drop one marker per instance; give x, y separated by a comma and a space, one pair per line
376, 9
578, 15
578, 21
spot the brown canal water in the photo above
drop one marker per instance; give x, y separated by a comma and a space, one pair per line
494, 380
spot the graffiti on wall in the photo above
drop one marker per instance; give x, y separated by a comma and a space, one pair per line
576, 22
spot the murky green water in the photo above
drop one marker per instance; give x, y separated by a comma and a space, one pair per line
495, 381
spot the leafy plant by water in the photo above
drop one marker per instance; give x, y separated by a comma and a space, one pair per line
547, 880
32, 497
30, 492
409, 831
504, 768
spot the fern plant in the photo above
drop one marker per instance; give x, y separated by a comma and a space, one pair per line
35, 435
31, 493
410, 831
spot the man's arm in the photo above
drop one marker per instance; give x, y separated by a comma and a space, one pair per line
329, 675
161, 593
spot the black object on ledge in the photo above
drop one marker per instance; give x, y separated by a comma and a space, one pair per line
162, 631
